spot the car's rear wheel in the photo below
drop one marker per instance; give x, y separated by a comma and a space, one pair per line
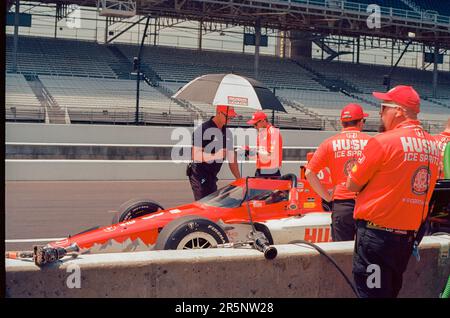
190, 232
136, 208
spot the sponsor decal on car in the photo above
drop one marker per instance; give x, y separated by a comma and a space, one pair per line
110, 228
317, 235
152, 216
128, 223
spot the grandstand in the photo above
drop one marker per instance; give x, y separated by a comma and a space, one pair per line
183, 65
108, 98
116, 96
48, 56
366, 78
92, 82
21, 103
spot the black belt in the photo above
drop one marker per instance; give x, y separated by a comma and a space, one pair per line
371, 225
344, 200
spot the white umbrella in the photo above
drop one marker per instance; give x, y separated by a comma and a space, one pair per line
229, 90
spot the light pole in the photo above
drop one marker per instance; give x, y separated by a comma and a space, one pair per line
387, 78
137, 69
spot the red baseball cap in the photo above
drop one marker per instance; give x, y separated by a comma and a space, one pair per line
257, 116
352, 112
229, 110
402, 95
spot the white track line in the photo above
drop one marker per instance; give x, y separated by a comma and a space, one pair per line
34, 240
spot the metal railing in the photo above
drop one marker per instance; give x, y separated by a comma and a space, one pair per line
342, 5
126, 116
25, 114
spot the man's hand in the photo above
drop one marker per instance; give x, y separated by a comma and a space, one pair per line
317, 186
233, 164
351, 186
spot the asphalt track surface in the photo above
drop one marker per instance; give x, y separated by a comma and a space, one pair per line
56, 209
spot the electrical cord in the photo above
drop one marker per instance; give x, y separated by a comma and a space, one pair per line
321, 251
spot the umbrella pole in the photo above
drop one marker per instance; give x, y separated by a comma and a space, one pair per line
242, 159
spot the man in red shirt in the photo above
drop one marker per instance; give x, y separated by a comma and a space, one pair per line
269, 150
395, 178
339, 153
442, 139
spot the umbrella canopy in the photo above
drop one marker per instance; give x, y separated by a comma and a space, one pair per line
229, 90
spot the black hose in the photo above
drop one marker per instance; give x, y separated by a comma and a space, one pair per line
259, 241
321, 251
248, 205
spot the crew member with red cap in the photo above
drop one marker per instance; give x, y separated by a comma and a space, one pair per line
269, 150
442, 139
395, 178
339, 153
212, 142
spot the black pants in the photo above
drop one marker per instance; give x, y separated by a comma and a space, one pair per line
389, 251
268, 173
343, 227
202, 184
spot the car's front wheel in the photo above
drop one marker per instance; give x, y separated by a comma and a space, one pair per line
136, 208
197, 240
190, 232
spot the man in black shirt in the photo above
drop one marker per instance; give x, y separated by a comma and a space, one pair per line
212, 142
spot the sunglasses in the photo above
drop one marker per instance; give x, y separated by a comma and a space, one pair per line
383, 106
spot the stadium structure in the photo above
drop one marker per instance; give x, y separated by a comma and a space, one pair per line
74, 61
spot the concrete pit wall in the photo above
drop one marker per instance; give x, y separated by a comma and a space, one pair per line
116, 170
141, 135
52, 151
298, 271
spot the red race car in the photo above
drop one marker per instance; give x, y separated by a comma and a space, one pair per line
282, 210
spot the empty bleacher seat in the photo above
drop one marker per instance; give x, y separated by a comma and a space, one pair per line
108, 95
20, 101
38, 55
183, 65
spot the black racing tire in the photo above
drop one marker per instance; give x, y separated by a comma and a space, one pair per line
136, 208
190, 232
